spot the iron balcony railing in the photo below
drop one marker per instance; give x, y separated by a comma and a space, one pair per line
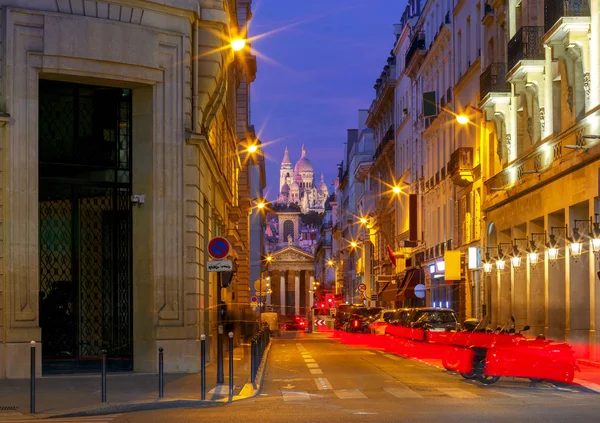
460, 160
388, 137
526, 45
493, 79
557, 9
417, 43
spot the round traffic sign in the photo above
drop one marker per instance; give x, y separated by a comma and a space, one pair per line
420, 290
218, 247
361, 287
254, 299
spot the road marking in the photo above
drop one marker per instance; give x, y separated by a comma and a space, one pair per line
591, 386
458, 393
316, 371
323, 384
97, 419
349, 394
309, 360
220, 390
312, 365
513, 393
295, 396
402, 392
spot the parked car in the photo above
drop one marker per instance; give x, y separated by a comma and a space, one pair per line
295, 323
361, 319
380, 321
433, 319
344, 313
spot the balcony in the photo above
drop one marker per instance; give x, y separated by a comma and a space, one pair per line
386, 141
417, 46
460, 166
526, 45
488, 15
493, 80
557, 11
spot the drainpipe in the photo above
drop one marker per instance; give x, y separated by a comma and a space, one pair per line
195, 41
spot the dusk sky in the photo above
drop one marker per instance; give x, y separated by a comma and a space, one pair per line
316, 75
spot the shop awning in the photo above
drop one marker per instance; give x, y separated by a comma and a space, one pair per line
407, 289
389, 292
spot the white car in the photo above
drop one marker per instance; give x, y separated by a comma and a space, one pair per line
381, 320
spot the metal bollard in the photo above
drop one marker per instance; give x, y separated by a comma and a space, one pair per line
220, 375
103, 352
253, 360
231, 365
160, 373
32, 387
203, 367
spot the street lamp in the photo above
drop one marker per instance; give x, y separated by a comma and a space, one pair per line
462, 119
353, 244
500, 260
576, 244
253, 148
552, 248
238, 44
487, 264
396, 189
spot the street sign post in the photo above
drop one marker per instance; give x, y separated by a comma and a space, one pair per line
218, 248
219, 266
361, 287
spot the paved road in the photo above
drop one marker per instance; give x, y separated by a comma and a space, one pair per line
312, 378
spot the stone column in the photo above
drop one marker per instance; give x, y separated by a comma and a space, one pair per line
297, 293
282, 293
311, 299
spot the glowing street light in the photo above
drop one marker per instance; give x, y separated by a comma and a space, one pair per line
238, 44
363, 220
552, 248
330, 263
462, 119
261, 205
396, 189
253, 149
353, 244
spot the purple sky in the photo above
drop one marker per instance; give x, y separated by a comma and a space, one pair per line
318, 74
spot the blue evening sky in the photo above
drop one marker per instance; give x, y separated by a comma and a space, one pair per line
316, 75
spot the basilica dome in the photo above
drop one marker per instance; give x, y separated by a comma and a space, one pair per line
285, 188
295, 187
303, 164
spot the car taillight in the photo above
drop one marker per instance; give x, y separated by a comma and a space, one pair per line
355, 323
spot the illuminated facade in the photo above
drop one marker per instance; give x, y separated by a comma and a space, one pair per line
122, 159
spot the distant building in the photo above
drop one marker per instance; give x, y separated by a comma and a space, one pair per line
297, 185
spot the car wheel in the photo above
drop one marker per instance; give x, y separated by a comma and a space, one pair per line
487, 380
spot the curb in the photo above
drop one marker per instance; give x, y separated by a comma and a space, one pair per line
589, 363
248, 391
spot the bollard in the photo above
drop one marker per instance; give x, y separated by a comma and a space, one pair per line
220, 375
160, 373
103, 352
32, 386
231, 365
253, 360
203, 367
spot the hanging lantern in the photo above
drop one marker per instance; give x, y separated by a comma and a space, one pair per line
515, 258
595, 235
576, 244
552, 248
487, 264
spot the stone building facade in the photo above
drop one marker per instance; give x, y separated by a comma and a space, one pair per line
120, 126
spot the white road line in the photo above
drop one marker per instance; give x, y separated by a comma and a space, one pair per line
312, 365
316, 371
309, 360
457, 393
97, 419
513, 393
592, 386
323, 384
295, 396
402, 392
349, 394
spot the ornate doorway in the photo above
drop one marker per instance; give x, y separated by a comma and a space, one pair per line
85, 224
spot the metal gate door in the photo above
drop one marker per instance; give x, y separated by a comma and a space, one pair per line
85, 226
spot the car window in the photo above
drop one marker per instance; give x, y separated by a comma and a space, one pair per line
387, 316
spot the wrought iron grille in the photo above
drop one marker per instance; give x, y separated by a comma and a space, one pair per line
526, 45
557, 9
85, 226
493, 79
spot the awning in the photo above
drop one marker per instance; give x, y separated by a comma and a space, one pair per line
407, 289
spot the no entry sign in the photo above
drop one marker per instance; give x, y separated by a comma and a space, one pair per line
218, 248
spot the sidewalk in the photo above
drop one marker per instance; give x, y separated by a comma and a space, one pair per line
81, 394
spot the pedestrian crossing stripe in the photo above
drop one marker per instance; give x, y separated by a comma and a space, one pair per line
404, 392
91, 419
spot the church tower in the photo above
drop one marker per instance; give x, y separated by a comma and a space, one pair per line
285, 172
